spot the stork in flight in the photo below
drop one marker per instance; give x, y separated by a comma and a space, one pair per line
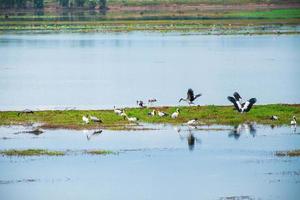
190, 97
238, 103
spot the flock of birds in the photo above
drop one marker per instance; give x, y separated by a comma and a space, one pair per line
240, 105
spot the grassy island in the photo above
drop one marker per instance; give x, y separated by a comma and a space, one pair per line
207, 115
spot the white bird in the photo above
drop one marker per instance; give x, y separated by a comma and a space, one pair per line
117, 111
274, 117
85, 119
175, 114
132, 119
294, 122
239, 105
95, 119
152, 113
193, 122
162, 114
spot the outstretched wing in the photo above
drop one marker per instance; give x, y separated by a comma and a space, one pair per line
236, 103
198, 95
248, 105
190, 94
237, 96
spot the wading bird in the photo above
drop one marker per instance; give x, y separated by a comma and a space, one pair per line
162, 114
190, 97
85, 119
26, 111
95, 119
152, 113
175, 114
117, 111
132, 119
294, 122
140, 103
274, 117
239, 105
193, 122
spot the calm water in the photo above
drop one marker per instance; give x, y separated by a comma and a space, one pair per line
155, 164
53, 71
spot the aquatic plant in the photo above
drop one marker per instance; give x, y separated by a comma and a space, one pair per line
31, 152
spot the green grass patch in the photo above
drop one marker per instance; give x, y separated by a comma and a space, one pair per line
100, 152
269, 14
224, 115
291, 153
31, 152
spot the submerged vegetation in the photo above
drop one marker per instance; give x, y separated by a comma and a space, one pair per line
207, 115
291, 153
31, 152
44, 152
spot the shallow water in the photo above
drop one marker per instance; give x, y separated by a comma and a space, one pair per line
53, 71
154, 164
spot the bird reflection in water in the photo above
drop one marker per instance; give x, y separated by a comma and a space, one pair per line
190, 137
95, 133
246, 128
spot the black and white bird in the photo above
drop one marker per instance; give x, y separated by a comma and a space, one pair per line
132, 119
117, 111
239, 105
152, 113
175, 114
274, 117
294, 122
95, 119
162, 114
26, 111
140, 103
193, 122
190, 97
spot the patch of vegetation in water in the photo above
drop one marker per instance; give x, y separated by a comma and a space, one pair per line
31, 152
100, 152
291, 153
